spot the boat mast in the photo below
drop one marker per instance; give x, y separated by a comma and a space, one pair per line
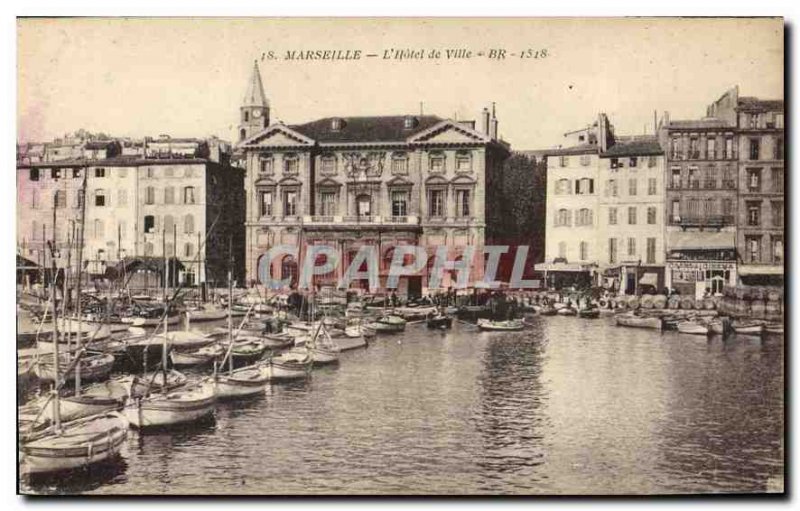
79, 341
230, 299
56, 364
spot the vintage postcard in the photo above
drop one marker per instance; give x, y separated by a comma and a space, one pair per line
400, 256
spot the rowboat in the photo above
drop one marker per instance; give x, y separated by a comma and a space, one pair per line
414, 313
93, 399
632, 321
154, 381
247, 351
501, 326
179, 406
748, 328
548, 311
291, 365
389, 324
90, 323
246, 381
774, 328
693, 327
350, 343
567, 311
206, 313
591, 313
93, 367
719, 326
196, 357
75, 444
277, 341
440, 322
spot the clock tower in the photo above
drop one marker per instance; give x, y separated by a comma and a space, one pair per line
254, 112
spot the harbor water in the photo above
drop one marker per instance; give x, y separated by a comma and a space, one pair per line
569, 406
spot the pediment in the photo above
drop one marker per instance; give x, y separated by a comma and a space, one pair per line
399, 181
450, 132
265, 181
463, 180
290, 181
277, 135
328, 182
436, 180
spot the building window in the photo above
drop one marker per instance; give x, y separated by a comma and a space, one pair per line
462, 203
709, 207
463, 161
327, 203
60, 199
753, 244
265, 165
584, 186
652, 186
33, 174
329, 164
676, 178
727, 153
149, 223
632, 186
409, 123
563, 187
753, 213
676, 148
562, 249
584, 250
694, 178
188, 250
777, 213
586, 160
364, 205
651, 216
265, 203
612, 188
777, 250
400, 163
99, 198
169, 195
694, 148
651, 250
169, 224
631, 246
148, 249
755, 148
99, 172
711, 178
188, 195
612, 250
754, 180
291, 164
676, 211
563, 161
399, 203
436, 203
633, 162
584, 217
612, 216
778, 148
188, 224
55, 173
632, 215
76, 172
711, 149
727, 207
289, 203
436, 162
727, 178
149, 195
336, 124
777, 180
563, 218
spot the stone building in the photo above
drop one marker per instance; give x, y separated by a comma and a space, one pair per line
381, 181
135, 208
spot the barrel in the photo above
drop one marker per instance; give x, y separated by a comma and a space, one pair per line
687, 302
659, 302
634, 302
647, 302
674, 302
709, 304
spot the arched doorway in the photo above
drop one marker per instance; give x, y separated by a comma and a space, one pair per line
289, 270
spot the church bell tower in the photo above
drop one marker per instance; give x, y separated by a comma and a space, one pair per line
254, 112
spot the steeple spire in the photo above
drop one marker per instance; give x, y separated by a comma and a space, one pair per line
255, 90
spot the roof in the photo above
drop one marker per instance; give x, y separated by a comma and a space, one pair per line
638, 146
117, 161
577, 149
385, 128
698, 124
255, 90
751, 103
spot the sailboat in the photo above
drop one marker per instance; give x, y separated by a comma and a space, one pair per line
292, 365
76, 444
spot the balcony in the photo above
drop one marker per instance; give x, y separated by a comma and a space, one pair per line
354, 221
711, 221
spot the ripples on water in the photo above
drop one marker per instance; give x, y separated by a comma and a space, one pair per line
570, 406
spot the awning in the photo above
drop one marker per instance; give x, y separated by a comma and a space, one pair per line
754, 269
572, 267
649, 278
700, 240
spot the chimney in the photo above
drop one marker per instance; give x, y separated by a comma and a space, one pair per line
493, 125
485, 121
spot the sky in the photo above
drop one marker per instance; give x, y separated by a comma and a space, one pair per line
186, 77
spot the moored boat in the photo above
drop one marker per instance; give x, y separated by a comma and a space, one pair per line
633, 321
589, 313
567, 311
291, 365
501, 326
440, 322
774, 328
345, 343
179, 406
693, 327
196, 357
748, 327
94, 366
242, 382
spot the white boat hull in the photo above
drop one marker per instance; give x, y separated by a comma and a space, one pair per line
169, 409
692, 328
278, 369
350, 343
236, 385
